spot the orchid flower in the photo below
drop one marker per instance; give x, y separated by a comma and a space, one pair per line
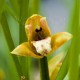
40, 40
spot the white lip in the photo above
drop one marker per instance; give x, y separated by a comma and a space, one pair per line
42, 46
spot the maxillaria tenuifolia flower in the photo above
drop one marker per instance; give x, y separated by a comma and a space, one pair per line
40, 40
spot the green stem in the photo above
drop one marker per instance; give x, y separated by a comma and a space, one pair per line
44, 73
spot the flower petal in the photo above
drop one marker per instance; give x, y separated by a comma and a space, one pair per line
59, 39
25, 50
54, 62
42, 46
37, 28
44, 24
54, 65
55, 72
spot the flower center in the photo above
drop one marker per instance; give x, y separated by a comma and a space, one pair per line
39, 34
38, 30
42, 46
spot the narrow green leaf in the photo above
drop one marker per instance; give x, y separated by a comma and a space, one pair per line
6, 59
34, 7
74, 53
24, 61
23, 10
10, 43
22, 19
1, 6
15, 6
11, 12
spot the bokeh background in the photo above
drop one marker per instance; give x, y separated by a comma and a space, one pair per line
12, 16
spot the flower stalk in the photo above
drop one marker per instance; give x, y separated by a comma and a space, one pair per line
43, 64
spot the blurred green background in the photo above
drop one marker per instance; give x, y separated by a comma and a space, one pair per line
62, 15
